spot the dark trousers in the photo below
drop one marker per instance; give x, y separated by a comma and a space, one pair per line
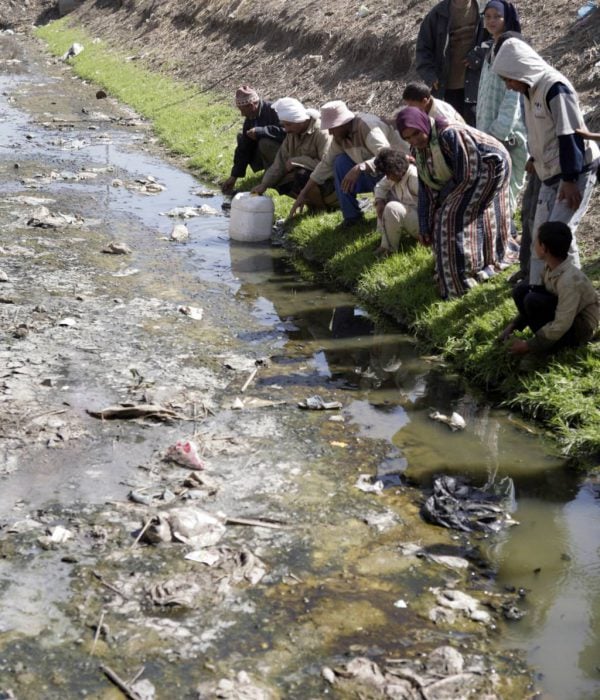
537, 307
528, 207
467, 110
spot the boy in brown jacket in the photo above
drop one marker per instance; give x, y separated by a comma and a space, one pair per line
565, 311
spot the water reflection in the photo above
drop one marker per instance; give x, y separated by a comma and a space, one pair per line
552, 554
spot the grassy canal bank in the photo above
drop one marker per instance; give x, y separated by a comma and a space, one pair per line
199, 125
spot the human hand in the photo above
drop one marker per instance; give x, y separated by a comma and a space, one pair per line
379, 207
228, 185
251, 134
289, 166
506, 333
570, 194
518, 347
529, 167
425, 239
350, 179
298, 205
258, 189
435, 85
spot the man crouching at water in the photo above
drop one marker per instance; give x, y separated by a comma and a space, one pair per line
302, 149
260, 138
565, 310
357, 139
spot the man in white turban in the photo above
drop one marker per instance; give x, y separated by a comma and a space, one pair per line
304, 145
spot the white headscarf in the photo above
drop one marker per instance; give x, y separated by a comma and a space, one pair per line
289, 109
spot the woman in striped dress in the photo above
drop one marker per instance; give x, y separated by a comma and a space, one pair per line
464, 211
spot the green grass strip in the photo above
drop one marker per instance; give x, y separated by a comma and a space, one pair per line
564, 393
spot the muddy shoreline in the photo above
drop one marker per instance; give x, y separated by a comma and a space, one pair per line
319, 579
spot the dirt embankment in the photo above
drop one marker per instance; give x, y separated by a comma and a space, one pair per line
313, 50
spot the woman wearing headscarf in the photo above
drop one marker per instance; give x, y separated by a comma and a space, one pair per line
564, 160
463, 199
499, 109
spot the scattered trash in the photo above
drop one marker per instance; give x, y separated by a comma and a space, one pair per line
191, 526
60, 534
210, 557
4, 277
147, 185
363, 11
74, 50
194, 312
184, 453
206, 193
365, 483
117, 248
69, 322
43, 218
456, 505
316, 403
586, 9
455, 421
179, 233
462, 602
190, 212
131, 411
401, 604
444, 673
241, 688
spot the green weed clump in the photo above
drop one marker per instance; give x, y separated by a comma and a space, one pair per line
200, 126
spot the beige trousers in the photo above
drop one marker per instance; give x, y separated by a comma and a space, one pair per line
398, 220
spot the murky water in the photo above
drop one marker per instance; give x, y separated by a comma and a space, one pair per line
319, 341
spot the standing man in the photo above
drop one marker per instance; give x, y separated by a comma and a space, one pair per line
357, 139
260, 138
564, 159
446, 36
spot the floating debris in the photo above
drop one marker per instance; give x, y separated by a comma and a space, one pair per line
456, 505
316, 403
454, 422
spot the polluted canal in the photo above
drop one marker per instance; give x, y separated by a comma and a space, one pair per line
213, 472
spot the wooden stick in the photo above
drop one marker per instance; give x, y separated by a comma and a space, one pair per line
120, 683
109, 585
250, 378
137, 675
256, 523
142, 531
97, 635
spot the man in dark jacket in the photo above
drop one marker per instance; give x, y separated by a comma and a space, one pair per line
449, 32
260, 138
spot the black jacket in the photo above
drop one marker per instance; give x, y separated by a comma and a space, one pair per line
432, 52
266, 124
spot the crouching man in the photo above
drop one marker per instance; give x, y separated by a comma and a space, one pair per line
396, 199
304, 146
260, 138
357, 139
565, 310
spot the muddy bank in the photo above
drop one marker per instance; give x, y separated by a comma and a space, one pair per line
302, 570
